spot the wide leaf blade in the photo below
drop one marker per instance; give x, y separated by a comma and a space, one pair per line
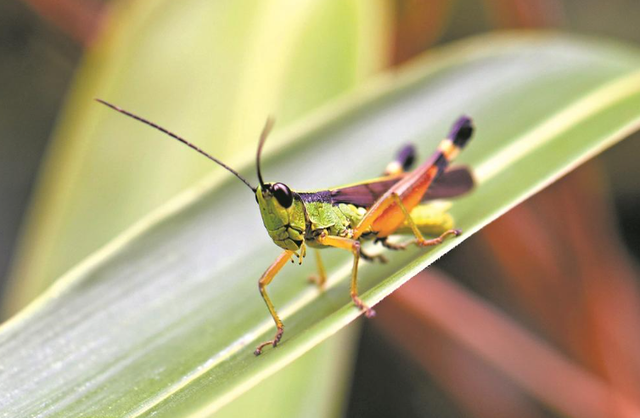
163, 321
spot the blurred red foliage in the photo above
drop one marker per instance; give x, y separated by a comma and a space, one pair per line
81, 20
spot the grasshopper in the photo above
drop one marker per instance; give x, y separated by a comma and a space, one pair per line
344, 217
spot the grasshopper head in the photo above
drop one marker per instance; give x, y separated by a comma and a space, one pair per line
282, 214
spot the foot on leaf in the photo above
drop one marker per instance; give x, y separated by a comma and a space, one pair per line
368, 312
273, 342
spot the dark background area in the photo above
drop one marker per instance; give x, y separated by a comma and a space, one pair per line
37, 63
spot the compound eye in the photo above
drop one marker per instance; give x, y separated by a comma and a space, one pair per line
282, 194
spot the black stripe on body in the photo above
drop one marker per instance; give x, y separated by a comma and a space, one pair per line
364, 194
323, 196
452, 182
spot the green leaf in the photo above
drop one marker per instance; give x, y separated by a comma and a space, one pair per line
164, 319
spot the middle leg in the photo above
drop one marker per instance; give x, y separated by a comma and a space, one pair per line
372, 257
353, 246
321, 277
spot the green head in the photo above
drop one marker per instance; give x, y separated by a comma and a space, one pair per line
282, 210
283, 214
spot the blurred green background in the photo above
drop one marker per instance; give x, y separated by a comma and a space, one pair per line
43, 43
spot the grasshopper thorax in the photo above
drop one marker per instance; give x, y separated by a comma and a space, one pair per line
283, 214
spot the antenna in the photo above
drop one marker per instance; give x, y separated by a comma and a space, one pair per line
171, 134
263, 138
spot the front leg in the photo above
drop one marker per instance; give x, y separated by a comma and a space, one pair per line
266, 278
353, 246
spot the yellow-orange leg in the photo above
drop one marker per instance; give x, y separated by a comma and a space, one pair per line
419, 241
266, 278
353, 246
321, 278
